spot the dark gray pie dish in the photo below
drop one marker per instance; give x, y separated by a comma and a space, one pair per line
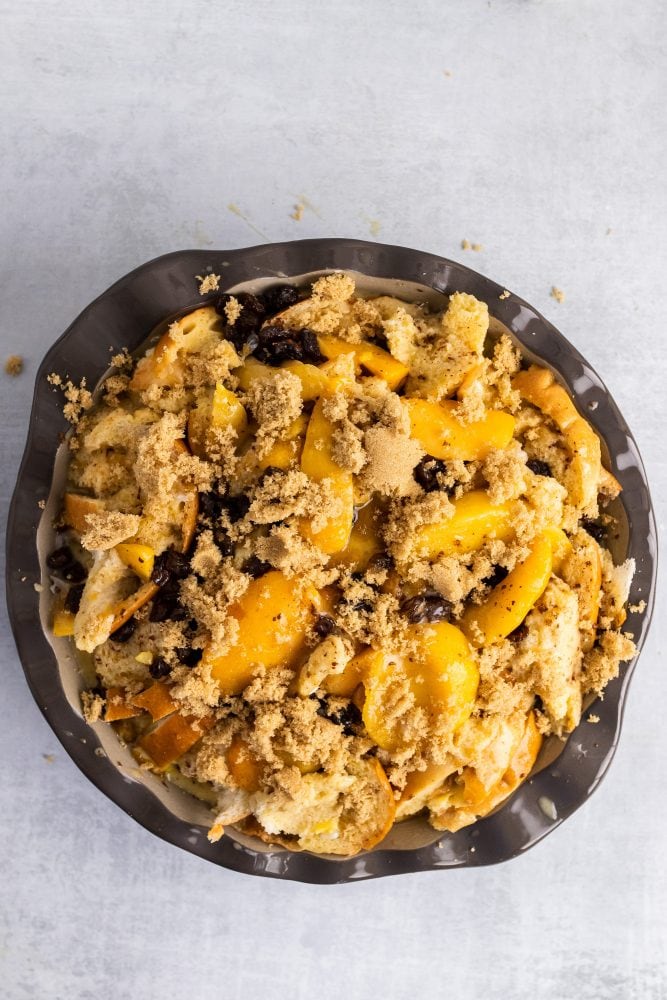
123, 316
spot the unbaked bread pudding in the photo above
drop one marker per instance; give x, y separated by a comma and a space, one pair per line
337, 560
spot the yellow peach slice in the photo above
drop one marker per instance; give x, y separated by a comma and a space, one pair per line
374, 359
173, 737
475, 520
139, 558
218, 409
510, 601
421, 786
63, 623
441, 435
364, 541
245, 769
442, 679
539, 387
118, 707
190, 334
274, 615
156, 700
317, 462
314, 381
346, 683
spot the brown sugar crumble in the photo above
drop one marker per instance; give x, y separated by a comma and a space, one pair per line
327, 554
557, 294
14, 364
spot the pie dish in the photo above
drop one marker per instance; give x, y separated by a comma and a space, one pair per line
127, 545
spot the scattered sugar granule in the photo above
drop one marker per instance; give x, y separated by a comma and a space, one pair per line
504, 295
208, 283
637, 609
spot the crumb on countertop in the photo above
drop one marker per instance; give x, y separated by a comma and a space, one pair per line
14, 364
297, 214
467, 245
557, 294
504, 294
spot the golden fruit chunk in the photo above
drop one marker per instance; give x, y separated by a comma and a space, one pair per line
245, 769
156, 700
364, 541
287, 452
442, 678
539, 388
317, 462
346, 683
215, 409
173, 737
118, 707
63, 623
314, 381
274, 615
369, 356
420, 786
77, 507
189, 335
441, 435
475, 520
139, 558
510, 601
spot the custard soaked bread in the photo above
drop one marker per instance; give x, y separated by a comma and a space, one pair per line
338, 561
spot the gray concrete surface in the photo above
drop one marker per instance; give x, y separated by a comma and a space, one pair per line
534, 128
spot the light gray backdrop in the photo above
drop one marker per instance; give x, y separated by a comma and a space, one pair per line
536, 129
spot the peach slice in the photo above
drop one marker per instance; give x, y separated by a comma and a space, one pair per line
156, 700
374, 359
190, 334
63, 623
118, 707
539, 388
346, 683
364, 541
314, 381
217, 408
274, 615
441, 435
475, 520
442, 679
173, 737
317, 462
421, 786
139, 558
244, 768
510, 601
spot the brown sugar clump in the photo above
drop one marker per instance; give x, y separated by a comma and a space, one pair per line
391, 460
107, 528
14, 364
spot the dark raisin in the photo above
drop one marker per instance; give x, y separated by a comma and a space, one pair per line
126, 631
379, 562
159, 668
193, 625
498, 575
595, 530
311, 348
75, 572
269, 471
363, 605
256, 567
210, 505
324, 625
169, 565
223, 541
60, 558
426, 608
539, 467
538, 704
237, 506
73, 598
348, 717
188, 656
252, 342
378, 340
160, 575
280, 297
519, 633
427, 472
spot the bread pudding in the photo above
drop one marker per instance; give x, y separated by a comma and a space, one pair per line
338, 561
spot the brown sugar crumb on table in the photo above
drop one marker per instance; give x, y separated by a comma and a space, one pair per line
557, 294
14, 364
326, 552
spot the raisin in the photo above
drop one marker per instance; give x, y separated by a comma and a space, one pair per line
223, 541
427, 471
188, 656
427, 608
256, 567
75, 572
280, 297
160, 575
169, 565
237, 506
539, 467
595, 530
324, 625
278, 344
364, 605
498, 575
60, 558
210, 505
126, 631
311, 348
73, 598
379, 562
348, 717
159, 668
